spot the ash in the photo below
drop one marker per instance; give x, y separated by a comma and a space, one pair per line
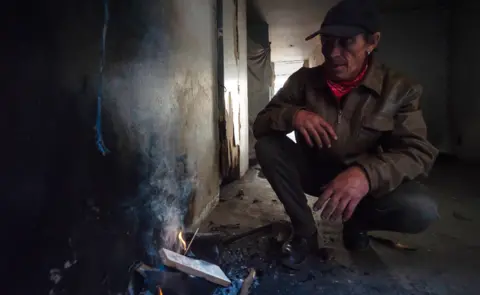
319, 277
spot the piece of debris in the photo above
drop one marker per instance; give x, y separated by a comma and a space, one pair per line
260, 174
461, 217
325, 253
145, 280
256, 201
68, 264
191, 241
195, 267
310, 277
142, 268
233, 289
247, 283
55, 275
240, 194
224, 227
281, 231
392, 244
266, 228
93, 207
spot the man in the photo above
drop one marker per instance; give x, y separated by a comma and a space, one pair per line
361, 139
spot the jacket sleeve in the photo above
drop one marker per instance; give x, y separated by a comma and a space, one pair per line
278, 115
406, 154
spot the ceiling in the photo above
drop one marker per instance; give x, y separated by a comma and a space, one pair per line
290, 21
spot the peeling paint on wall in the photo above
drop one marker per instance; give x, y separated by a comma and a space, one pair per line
230, 150
234, 106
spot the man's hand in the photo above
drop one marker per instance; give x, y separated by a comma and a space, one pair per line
314, 128
343, 194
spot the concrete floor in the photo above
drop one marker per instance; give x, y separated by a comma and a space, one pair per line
447, 259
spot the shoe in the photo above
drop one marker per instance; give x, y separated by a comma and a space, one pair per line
297, 249
354, 239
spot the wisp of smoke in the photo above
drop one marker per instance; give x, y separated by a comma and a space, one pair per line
146, 109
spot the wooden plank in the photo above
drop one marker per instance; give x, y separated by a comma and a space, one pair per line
195, 267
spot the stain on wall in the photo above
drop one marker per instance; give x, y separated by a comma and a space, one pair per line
198, 56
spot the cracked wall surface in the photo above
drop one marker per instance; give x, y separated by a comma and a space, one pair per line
233, 95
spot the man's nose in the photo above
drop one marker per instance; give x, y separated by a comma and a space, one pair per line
333, 48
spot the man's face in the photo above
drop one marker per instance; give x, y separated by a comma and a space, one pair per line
345, 57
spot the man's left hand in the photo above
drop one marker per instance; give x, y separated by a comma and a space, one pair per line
343, 194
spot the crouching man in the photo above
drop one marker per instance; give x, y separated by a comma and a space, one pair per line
361, 139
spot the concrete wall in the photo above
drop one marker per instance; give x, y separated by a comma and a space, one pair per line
316, 58
465, 101
416, 43
165, 98
61, 200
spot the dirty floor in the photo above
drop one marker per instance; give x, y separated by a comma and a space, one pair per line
445, 259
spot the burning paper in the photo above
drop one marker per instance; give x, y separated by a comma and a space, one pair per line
195, 267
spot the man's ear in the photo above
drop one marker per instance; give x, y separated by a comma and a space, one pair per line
373, 41
376, 38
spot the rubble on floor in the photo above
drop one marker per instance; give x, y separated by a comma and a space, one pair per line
442, 260
260, 250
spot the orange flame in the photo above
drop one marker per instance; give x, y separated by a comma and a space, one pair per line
180, 238
160, 291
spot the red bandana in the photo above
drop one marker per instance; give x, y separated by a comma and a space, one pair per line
340, 89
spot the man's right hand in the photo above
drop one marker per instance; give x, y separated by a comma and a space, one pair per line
314, 129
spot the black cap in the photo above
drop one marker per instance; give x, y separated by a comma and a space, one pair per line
349, 18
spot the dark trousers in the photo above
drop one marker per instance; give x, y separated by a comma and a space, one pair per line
293, 171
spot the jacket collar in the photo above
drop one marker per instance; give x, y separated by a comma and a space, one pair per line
373, 78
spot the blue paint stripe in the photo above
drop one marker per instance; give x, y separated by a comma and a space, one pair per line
98, 125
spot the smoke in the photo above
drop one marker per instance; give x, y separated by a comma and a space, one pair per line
143, 99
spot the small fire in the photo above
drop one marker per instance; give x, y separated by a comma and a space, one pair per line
182, 241
160, 291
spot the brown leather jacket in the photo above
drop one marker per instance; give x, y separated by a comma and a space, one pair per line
379, 124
